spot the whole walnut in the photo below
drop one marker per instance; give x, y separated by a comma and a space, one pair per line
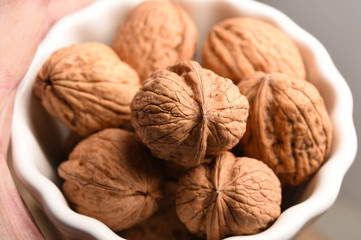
87, 87
155, 35
185, 111
112, 177
229, 196
237, 47
288, 126
164, 224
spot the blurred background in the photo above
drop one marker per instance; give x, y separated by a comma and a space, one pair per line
337, 25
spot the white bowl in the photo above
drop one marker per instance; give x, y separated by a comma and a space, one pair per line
38, 139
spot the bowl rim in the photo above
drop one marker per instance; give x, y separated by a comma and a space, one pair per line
57, 209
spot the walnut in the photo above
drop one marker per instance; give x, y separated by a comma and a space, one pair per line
87, 87
237, 47
288, 127
185, 112
230, 196
164, 224
112, 177
155, 35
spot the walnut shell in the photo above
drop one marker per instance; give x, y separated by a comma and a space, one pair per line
164, 224
186, 111
87, 87
155, 35
237, 47
288, 127
112, 177
230, 196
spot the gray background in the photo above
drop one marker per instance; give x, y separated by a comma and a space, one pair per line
337, 25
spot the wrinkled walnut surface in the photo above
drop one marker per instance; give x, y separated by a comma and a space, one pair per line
112, 177
155, 35
164, 224
288, 126
230, 196
237, 47
87, 87
186, 111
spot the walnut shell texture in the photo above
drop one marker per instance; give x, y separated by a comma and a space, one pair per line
112, 177
235, 48
288, 127
155, 35
164, 224
185, 112
87, 87
230, 196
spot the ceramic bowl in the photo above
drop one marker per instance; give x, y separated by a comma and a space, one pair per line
38, 139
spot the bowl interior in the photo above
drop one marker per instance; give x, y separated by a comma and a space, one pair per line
39, 140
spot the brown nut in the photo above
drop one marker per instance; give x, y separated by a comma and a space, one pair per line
230, 196
164, 224
288, 126
186, 111
87, 87
237, 47
154, 35
112, 177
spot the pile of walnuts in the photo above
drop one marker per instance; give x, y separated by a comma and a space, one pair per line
210, 147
